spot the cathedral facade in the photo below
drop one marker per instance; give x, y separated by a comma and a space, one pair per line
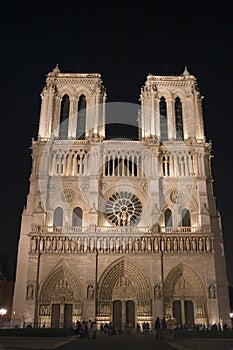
120, 230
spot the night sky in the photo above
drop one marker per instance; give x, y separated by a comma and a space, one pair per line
124, 41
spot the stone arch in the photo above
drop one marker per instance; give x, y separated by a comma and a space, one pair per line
192, 282
65, 90
168, 219
186, 201
62, 285
119, 268
164, 93
180, 94
124, 283
184, 285
83, 90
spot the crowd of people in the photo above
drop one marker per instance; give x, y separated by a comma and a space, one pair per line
164, 329
145, 329
107, 328
86, 329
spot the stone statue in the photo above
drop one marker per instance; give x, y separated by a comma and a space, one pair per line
212, 292
90, 291
157, 291
30, 291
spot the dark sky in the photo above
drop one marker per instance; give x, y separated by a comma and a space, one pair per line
124, 41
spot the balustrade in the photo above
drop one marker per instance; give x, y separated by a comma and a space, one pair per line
134, 241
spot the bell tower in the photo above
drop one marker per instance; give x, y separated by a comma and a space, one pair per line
172, 120
72, 106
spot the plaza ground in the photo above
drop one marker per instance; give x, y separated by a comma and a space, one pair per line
136, 342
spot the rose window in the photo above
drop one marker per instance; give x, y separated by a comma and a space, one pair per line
123, 208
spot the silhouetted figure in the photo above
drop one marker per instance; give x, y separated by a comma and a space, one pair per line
157, 327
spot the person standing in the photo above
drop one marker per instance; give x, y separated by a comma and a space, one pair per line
94, 329
171, 323
89, 329
157, 328
164, 329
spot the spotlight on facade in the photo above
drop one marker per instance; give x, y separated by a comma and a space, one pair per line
3, 312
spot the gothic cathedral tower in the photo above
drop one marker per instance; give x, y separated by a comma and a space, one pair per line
120, 230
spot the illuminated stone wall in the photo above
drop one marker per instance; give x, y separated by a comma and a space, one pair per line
118, 230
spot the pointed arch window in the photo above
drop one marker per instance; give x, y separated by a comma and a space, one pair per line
163, 119
81, 118
77, 217
168, 218
166, 165
179, 120
186, 221
58, 217
64, 118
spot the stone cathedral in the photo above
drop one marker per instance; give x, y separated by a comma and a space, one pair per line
120, 230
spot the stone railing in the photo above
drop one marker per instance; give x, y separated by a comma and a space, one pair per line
125, 242
90, 229
185, 229
119, 229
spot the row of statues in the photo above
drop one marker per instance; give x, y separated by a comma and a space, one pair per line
61, 244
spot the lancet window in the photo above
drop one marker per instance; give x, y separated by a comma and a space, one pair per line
168, 218
186, 221
58, 217
163, 119
77, 216
166, 165
81, 118
64, 118
179, 120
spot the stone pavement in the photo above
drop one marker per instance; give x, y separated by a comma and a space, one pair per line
201, 344
120, 342
34, 343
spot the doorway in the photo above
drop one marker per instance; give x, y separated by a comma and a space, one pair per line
130, 313
117, 314
189, 313
58, 315
176, 311
55, 316
183, 312
68, 310
123, 314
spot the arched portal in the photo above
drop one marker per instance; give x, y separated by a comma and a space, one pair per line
184, 296
60, 299
124, 295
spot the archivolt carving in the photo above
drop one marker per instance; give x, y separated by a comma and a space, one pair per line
124, 288
183, 280
65, 90
123, 274
74, 92
61, 286
87, 91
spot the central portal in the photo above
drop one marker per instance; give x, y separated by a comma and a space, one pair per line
124, 296
124, 314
